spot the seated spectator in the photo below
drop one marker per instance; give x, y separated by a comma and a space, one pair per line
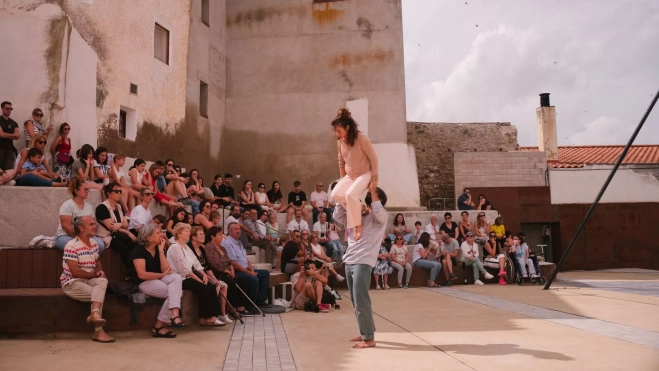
481, 229
164, 199
179, 216
522, 256
150, 270
484, 204
83, 167
433, 230
215, 188
449, 227
174, 182
247, 198
292, 255
296, 201
333, 246
236, 217
82, 276
39, 142
272, 227
464, 227
33, 126
259, 238
184, 263
215, 218
196, 245
499, 230
400, 260
141, 215
449, 256
282, 242
8, 134
102, 166
195, 187
320, 203
382, 268
308, 286
321, 228
275, 197
225, 192
470, 258
298, 224
219, 262
493, 254
135, 179
61, 151
305, 243
6, 177
321, 259
35, 174
256, 281
464, 201
113, 225
75, 207
262, 199
203, 218
420, 258
400, 228
418, 230
215, 207
117, 176
263, 216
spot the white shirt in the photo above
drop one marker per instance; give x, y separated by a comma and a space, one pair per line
318, 199
182, 259
69, 208
469, 250
262, 226
321, 229
293, 225
416, 255
229, 219
139, 217
432, 231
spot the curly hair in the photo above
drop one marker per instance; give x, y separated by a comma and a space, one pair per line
344, 119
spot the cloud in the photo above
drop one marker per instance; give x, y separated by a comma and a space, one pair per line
604, 130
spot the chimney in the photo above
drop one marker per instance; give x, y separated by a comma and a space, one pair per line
547, 137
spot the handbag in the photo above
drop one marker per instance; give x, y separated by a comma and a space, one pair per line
63, 157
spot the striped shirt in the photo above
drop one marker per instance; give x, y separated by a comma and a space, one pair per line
85, 255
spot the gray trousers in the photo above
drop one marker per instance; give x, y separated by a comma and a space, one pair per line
358, 277
477, 267
408, 271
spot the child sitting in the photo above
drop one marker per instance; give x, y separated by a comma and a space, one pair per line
382, 267
34, 174
521, 250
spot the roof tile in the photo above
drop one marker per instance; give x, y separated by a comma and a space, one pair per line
577, 156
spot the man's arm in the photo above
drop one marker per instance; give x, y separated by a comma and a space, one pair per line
15, 136
239, 267
78, 272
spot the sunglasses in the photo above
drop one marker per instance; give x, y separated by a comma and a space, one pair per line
398, 239
149, 194
117, 191
66, 129
493, 235
42, 142
481, 216
86, 190
470, 236
8, 109
39, 115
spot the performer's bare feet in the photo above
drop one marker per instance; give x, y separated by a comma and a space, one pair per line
364, 344
358, 232
356, 338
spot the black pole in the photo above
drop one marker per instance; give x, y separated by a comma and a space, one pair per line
601, 193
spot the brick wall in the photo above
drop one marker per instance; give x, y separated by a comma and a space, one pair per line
499, 169
435, 143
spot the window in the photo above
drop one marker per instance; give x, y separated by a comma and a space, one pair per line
133, 89
161, 44
122, 124
203, 99
205, 12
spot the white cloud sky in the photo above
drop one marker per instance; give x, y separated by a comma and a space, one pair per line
484, 61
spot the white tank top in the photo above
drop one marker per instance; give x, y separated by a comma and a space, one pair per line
129, 180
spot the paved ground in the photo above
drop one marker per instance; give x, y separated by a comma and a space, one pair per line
612, 323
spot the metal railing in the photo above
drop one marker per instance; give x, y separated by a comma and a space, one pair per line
443, 201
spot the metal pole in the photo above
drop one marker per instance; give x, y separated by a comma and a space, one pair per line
601, 193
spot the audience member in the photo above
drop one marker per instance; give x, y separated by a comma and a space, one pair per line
34, 172
117, 176
420, 258
83, 167
195, 188
33, 126
102, 166
272, 227
256, 281
135, 180
155, 170
8, 135
219, 262
260, 239
282, 242
305, 243
150, 270
247, 198
418, 230
215, 218
204, 216
499, 230
215, 188
262, 218
141, 215
522, 255
321, 259
113, 224
382, 268
401, 261
484, 204
400, 228
449, 227
82, 276
470, 258
333, 246
275, 197
297, 199
174, 182
449, 256
184, 263
262, 199
179, 216
308, 286
464, 226
493, 254
225, 192
321, 227
61, 151
235, 217
433, 230
298, 224
481, 229
320, 203
39, 142
292, 254
75, 207
464, 201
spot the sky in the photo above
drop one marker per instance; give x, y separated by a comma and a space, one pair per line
488, 60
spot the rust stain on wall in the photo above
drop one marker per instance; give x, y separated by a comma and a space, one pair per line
325, 14
359, 59
260, 15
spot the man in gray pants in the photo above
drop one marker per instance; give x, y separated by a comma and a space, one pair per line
360, 259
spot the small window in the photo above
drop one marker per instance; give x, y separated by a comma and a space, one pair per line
122, 124
203, 99
161, 44
133, 89
205, 12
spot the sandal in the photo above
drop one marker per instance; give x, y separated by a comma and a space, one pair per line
108, 339
158, 334
97, 323
178, 324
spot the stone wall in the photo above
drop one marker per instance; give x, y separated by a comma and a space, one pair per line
435, 143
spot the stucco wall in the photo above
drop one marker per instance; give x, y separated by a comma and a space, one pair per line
291, 65
632, 183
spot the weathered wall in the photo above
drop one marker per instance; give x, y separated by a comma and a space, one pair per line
632, 183
435, 143
291, 65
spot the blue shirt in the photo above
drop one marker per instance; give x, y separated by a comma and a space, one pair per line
27, 165
461, 203
236, 251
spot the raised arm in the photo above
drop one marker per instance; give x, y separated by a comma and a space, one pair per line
368, 149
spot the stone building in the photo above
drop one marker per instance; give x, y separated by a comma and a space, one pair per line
242, 86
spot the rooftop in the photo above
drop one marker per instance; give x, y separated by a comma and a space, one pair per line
578, 156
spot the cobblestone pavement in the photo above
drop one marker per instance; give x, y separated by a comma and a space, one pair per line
259, 344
